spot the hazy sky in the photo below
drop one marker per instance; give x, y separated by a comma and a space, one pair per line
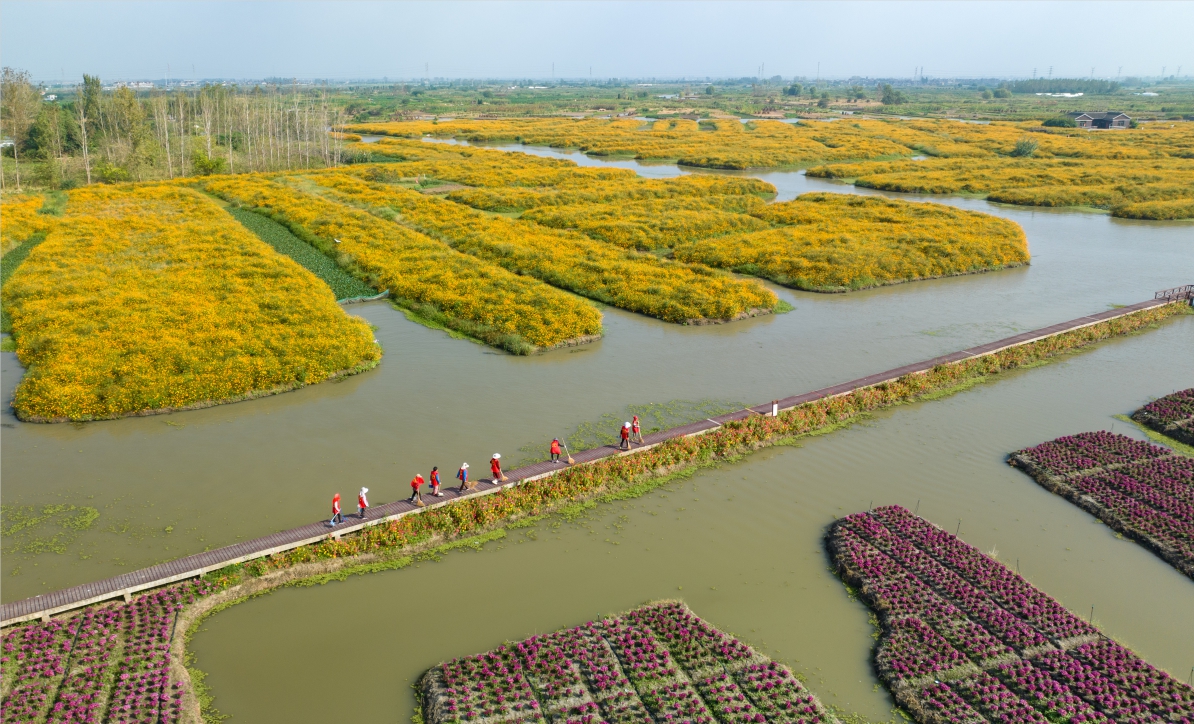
138, 40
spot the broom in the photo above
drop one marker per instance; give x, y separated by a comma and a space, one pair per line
570, 460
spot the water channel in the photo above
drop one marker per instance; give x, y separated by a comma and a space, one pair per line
740, 543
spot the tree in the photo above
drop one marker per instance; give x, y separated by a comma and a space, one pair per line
824, 102
1060, 122
18, 108
890, 96
81, 112
1025, 147
793, 90
708, 90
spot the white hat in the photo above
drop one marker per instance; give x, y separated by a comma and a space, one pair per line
626, 425
496, 456
464, 465
364, 490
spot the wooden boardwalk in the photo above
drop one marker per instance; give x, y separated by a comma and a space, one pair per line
126, 584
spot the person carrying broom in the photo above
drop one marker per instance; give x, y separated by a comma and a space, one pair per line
495, 467
555, 449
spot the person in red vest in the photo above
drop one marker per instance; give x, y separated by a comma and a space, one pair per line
462, 476
636, 430
362, 503
625, 444
415, 485
555, 450
495, 467
435, 482
336, 517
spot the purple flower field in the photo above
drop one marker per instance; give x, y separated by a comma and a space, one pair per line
1172, 415
965, 640
658, 664
1143, 491
105, 664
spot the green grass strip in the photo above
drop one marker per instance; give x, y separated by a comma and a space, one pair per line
9, 264
343, 284
1159, 438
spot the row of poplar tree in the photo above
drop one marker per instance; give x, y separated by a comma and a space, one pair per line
92, 133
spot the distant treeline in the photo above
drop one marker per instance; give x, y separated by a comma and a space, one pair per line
1063, 85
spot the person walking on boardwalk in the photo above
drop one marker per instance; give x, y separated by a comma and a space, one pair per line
362, 503
495, 467
555, 449
435, 482
462, 476
636, 430
336, 517
416, 495
625, 444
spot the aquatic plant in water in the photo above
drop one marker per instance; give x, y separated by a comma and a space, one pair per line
1171, 415
1144, 491
965, 640
658, 664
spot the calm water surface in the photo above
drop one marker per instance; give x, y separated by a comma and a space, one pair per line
176, 484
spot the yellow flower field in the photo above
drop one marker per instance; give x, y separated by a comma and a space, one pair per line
468, 294
1145, 172
837, 242
19, 219
149, 298
640, 283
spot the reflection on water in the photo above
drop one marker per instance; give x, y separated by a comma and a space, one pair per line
742, 545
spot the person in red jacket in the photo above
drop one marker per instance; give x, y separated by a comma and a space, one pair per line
555, 450
362, 503
435, 482
495, 467
625, 444
336, 517
415, 485
462, 476
636, 430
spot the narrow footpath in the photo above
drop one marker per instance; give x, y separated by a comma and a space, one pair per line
192, 566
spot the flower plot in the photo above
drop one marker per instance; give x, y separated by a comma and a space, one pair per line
1143, 491
104, 664
965, 640
659, 664
1172, 415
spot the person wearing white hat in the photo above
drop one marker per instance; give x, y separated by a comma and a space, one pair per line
625, 444
495, 467
462, 476
362, 503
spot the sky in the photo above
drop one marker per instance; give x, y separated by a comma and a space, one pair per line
59, 41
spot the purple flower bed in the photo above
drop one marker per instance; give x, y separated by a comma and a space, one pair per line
1177, 407
1149, 498
943, 603
104, 664
659, 664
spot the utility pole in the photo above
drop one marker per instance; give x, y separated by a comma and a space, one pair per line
1034, 73
1162, 71
1050, 72
1119, 72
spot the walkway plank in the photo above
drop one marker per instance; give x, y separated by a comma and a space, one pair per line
200, 563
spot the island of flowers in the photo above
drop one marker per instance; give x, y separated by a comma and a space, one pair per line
1144, 491
658, 664
1172, 416
108, 663
965, 640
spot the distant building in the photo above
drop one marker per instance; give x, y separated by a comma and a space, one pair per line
1101, 119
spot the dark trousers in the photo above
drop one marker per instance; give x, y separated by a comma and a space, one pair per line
337, 518
555, 457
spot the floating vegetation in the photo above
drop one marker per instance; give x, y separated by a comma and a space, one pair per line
107, 664
657, 663
151, 298
43, 529
1144, 491
965, 640
1172, 416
